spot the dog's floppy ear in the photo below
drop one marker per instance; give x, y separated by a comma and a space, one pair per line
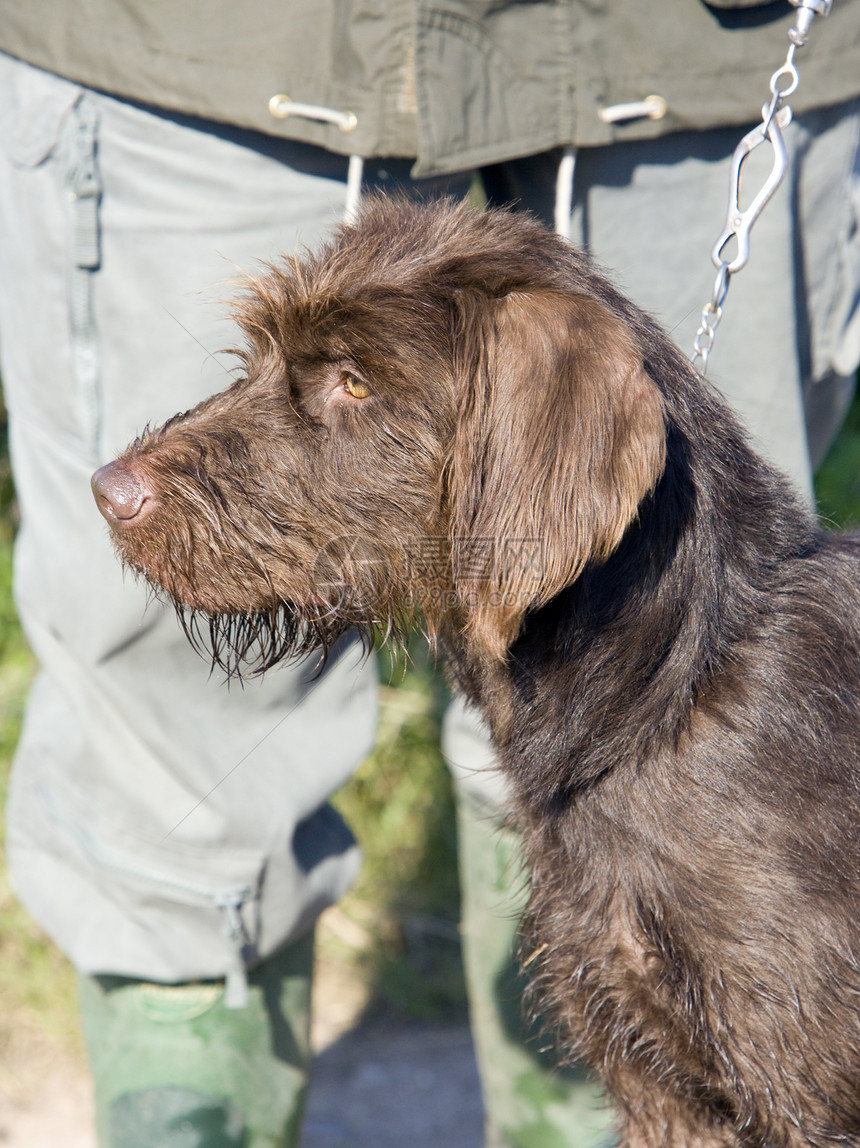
561, 435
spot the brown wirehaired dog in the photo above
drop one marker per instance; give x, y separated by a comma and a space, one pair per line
455, 413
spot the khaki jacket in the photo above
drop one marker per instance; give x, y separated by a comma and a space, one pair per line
454, 83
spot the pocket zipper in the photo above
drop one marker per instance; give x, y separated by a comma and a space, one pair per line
228, 900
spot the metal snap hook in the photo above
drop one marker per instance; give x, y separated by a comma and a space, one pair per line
739, 223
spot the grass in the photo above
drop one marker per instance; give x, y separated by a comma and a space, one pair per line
401, 808
37, 983
837, 482
403, 913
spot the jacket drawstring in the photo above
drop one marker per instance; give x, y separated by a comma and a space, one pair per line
652, 107
354, 176
282, 106
564, 191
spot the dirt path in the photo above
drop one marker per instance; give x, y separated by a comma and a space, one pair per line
389, 1085
396, 1086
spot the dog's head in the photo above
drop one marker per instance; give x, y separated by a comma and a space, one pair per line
440, 410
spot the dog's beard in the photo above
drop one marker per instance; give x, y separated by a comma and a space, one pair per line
345, 597
246, 645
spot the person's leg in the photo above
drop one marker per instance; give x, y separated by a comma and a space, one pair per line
161, 827
173, 1065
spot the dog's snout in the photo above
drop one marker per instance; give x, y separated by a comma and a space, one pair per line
121, 494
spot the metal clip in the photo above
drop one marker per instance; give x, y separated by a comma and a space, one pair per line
739, 223
807, 11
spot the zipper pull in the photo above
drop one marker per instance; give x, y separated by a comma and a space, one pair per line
236, 977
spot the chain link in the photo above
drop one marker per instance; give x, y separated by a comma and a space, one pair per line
776, 116
712, 312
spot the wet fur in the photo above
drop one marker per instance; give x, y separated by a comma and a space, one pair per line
665, 645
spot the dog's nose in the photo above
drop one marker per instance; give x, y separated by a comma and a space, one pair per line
120, 494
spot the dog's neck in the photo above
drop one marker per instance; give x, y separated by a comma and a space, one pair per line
611, 671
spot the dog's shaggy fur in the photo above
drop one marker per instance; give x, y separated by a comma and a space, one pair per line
456, 413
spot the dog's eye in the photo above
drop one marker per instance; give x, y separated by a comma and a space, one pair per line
356, 387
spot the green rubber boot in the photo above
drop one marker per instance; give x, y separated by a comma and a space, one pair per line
174, 1068
530, 1101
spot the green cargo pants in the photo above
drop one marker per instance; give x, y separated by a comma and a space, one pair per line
175, 1068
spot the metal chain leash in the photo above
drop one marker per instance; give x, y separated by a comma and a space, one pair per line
776, 116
